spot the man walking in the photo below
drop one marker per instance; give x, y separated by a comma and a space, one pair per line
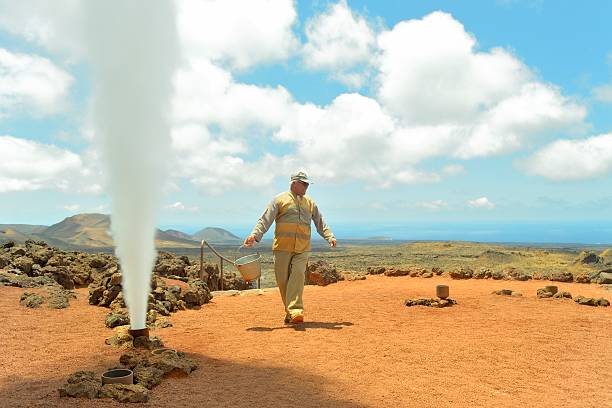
293, 212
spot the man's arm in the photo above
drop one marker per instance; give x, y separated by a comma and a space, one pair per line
322, 227
263, 224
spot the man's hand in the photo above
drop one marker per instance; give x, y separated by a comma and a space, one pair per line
249, 241
332, 242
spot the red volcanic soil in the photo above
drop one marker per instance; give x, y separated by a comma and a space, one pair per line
360, 347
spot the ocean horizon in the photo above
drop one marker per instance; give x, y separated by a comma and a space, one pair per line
545, 232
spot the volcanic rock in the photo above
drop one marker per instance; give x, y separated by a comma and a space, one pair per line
148, 377
59, 298
461, 272
125, 392
586, 301
114, 319
482, 273
588, 257
604, 278
562, 295
376, 270
31, 300
515, 274
321, 273
430, 302
81, 384
561, 276
396, 272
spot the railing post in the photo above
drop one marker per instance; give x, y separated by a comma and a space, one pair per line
202, 260
221, 272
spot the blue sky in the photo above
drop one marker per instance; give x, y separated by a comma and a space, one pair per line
402, 112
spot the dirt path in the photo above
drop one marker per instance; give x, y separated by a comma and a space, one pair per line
360, 347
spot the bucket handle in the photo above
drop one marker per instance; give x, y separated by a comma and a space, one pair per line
243, 246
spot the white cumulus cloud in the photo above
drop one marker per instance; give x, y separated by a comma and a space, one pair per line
482, 202
565, 160
71, 207
338, 40
26, 165
32, 84
208, 94
464, 102
237, 33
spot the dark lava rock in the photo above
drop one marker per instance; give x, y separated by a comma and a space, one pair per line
586, 301
196, 294
59, 298
171, 362
148, 343
397, 272
81, 384
321, 273
516, 274
31, 300
148, 377
24, 264
547, 291
437, 271
116, 319
125, 392
430, 302
602, 302
588, 257
376, 270
61, 275
503, 292
604, 277
561, 277
461, 272
98, 262
482, 273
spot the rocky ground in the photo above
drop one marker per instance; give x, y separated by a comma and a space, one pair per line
508, 340
360, 347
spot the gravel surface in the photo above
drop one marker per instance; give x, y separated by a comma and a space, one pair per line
360, 347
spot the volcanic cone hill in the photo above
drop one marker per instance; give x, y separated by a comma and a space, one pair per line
83, 231
212, 234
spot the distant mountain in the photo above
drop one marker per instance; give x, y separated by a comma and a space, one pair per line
84, 231
178, 234
213, 234
90, 230
24, 228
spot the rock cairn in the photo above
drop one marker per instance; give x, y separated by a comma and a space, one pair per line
150, 368
430, 302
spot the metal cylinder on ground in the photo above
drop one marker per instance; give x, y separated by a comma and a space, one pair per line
442, 291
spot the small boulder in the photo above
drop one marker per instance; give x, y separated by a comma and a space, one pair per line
321, 273
586, 301
376, 270
83, 384
148, 377
461, 272
125, 392
31, 300
562, 295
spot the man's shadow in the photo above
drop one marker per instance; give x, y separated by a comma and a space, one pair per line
303, 326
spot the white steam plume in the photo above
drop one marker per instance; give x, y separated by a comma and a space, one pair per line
132, 46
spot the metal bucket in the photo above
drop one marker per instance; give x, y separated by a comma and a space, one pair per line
249, 267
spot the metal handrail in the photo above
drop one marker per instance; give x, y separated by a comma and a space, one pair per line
221, 259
